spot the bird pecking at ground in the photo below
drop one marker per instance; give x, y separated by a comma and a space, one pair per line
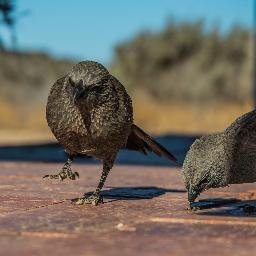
224, 158
90, 113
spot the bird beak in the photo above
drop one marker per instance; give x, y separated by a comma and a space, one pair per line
192, 195
78, 92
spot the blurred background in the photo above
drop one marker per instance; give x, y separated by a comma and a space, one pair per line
188, 65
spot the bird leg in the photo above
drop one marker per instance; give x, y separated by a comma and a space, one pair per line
65, 172
96, 197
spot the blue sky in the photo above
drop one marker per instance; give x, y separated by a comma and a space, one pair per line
89, 29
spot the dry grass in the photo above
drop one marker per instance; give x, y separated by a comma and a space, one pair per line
8, 114
185, 118
19, 125
22, 136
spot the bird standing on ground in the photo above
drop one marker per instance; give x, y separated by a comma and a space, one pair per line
90, 113
224, 158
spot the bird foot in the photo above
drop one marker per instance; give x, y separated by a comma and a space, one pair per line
94, 199
63, 174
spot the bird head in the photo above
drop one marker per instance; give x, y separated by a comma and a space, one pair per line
87, 83
205, 165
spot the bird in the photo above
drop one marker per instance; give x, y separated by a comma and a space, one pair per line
90, 113
223, 158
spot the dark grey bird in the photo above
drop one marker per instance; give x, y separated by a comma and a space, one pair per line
90, 113
224, 158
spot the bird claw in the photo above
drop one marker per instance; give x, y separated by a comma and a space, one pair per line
62, 175
94, 199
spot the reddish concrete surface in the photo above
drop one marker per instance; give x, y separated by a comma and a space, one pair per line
144, 214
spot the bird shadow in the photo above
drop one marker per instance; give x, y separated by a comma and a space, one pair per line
134, 193
229, 207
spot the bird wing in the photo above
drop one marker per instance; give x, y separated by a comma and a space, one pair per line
140, 141
241, 145
246, 133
